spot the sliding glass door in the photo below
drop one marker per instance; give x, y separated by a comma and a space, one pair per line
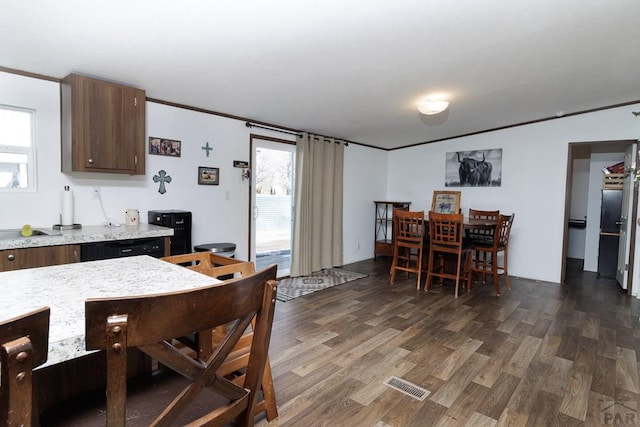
272, 172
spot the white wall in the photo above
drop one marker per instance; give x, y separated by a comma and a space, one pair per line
365, 180
533, 180
220, 213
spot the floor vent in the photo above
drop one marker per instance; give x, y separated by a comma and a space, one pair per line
407, 388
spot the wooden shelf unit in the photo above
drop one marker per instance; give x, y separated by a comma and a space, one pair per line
383, 232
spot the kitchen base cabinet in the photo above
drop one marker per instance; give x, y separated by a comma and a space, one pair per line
16, 259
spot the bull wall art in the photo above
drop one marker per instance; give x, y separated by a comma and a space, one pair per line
480, 168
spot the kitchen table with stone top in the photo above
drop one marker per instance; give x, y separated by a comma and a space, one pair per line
64, 288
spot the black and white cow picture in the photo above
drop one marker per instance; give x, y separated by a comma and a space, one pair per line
474, 172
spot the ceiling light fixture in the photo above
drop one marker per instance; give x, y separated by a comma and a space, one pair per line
432, 106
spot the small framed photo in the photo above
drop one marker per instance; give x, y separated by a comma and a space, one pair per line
208, 176
447, 202
164, 147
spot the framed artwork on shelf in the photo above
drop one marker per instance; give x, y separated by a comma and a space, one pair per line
208, 176
446, 202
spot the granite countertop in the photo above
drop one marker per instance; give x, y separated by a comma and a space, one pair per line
91, 233
64, 288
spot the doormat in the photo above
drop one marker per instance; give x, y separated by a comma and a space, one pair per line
294, 287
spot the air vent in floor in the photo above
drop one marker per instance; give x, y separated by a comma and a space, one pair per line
407, 388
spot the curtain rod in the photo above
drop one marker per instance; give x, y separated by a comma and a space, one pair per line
254, 125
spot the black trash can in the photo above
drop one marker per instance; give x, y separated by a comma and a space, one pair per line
222, 249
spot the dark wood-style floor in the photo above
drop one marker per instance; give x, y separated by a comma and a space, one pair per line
542, 354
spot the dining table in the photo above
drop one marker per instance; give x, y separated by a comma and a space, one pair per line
479, 223
64, 288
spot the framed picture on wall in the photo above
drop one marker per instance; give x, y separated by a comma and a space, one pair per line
164, 147
477, 168
208, 176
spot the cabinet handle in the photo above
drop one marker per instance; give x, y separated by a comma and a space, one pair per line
90, 161
11, 257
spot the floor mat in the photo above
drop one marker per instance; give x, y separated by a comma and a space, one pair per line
290, 288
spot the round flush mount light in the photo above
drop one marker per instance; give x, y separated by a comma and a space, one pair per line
432, 105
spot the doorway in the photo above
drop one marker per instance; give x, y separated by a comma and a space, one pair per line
272, 190
586, 162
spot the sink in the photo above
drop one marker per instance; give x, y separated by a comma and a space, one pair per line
16, 233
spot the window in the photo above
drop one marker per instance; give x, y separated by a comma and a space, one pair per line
17, 159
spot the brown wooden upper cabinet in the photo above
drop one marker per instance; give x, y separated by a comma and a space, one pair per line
103, 126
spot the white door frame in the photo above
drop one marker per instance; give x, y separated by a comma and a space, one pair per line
633, 279
626, 217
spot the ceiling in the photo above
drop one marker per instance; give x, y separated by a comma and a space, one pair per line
352, 69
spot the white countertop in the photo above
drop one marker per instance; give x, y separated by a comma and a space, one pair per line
64, 288
91, 233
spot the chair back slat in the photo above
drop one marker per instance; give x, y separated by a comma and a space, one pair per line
410, 225
239, 269
503, 230
446, 229
201, 262
482, 233
24, 344
159, 317
34, 325
149, 323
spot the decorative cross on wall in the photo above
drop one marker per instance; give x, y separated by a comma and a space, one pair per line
162, 177
207, 148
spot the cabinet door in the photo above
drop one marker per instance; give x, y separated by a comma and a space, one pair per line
103, 126
16, 259
112, 134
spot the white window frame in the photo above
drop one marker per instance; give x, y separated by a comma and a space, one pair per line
29, 151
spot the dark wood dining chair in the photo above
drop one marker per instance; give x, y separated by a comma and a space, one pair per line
489, 263
480, 235
150, 322
446, 232
204, 342
408, 249
24, 344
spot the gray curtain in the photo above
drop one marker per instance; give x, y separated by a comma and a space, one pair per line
317, 224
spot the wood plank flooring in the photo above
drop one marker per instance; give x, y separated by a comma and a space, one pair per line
542, 354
